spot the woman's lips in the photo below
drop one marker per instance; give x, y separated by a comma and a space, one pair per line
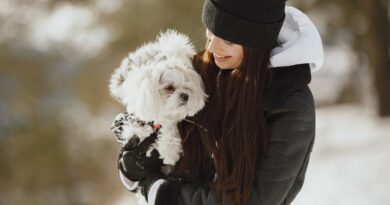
221, 58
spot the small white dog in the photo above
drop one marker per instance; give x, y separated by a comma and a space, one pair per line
157, 83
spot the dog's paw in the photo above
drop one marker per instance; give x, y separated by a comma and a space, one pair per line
127, 126
120, 128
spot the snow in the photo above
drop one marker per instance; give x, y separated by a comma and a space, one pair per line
336, 73
350, 159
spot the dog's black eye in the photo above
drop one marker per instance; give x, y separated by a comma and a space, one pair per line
170, 88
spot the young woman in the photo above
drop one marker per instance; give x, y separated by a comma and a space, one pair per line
251, 143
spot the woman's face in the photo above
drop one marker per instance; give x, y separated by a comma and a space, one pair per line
227, 55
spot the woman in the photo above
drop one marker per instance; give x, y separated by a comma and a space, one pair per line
252, 141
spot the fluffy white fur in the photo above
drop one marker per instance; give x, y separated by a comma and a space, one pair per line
158, 83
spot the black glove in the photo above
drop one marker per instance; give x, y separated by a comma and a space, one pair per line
167, 192
133, 162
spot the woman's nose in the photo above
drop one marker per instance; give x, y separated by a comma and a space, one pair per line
214, 44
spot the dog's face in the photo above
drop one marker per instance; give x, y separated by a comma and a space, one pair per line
157, 82
181, 92
169, 91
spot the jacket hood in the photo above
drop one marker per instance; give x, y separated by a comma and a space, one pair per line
300, 42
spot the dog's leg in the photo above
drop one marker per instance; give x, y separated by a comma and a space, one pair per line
169, 147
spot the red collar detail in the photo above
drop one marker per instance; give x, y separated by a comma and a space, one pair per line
156, 126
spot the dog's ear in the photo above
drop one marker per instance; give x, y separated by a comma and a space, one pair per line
199, 98
173, 43
148, 102
118, 78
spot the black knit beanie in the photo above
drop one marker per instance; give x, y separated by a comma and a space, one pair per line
251, 23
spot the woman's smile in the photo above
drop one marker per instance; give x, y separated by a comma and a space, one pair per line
221, 58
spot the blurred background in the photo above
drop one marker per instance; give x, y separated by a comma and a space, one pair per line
56, 58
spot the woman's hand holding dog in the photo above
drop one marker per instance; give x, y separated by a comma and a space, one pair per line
133, 162
136, 166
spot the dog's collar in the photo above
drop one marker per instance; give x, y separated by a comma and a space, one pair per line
156, 126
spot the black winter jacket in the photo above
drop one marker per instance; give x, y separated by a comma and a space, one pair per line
290, 112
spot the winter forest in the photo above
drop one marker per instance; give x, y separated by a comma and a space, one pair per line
56, 58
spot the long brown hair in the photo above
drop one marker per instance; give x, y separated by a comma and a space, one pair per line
236, 133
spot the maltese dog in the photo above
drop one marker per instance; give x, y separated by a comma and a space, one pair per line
159, 87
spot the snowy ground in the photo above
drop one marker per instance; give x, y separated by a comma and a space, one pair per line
349, 161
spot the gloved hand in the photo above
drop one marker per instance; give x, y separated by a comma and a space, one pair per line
136, 166
133, 162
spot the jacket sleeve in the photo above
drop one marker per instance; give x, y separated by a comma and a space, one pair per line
165, 192
280, 176
292, 128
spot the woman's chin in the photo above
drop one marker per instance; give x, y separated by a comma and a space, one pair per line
223, 66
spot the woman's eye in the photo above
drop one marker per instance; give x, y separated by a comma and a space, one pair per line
170, 88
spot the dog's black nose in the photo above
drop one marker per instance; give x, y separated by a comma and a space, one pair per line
184, 97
